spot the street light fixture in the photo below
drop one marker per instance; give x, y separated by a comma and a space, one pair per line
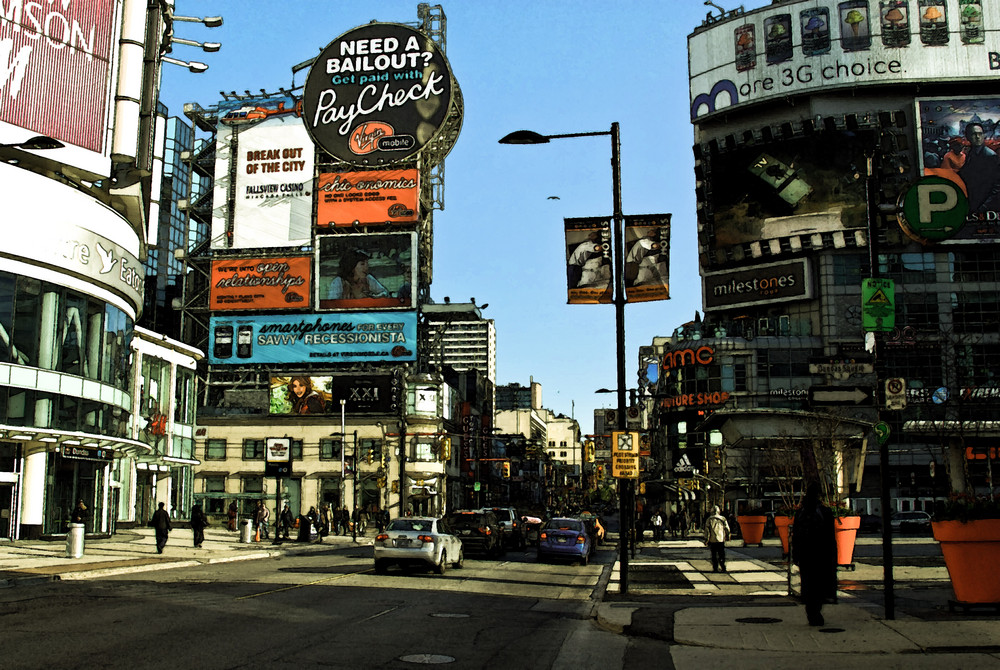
193, 66
209, 47
208, 21
36, 143
626, 502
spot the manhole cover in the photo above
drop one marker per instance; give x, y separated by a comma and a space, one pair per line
427, 659
450, 615
758, 619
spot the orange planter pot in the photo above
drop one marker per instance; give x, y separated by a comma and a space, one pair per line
782, 522
846, 530
752, 529
971, 552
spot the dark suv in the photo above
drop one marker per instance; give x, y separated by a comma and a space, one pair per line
479, 531
513, 528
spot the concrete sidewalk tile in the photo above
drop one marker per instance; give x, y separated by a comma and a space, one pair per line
734, 628
696, 658
929, 635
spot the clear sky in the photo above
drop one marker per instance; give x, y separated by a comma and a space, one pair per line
553, 66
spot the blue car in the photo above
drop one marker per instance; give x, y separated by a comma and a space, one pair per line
565, 539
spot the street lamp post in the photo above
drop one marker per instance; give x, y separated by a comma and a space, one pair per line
626, 492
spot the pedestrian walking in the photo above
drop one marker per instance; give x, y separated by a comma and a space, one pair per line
683, 522
675, 524
716, 534
231, 516
345, 519
199, 520
161, 524
657, 520
814, 550
287, 521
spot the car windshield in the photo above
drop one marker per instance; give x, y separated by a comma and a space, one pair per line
564, 524
419, 525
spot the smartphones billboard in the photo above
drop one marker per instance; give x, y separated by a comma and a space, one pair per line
793, 48
283, 282
377, 95
366, 271
345, 199
323, 338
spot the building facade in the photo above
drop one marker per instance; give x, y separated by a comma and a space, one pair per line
815, 125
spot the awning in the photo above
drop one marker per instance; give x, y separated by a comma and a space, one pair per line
682, 494
759, 426
48, 439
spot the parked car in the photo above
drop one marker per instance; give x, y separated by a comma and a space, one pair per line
417, 540
479, 531
564, 538
513, 527
911, 522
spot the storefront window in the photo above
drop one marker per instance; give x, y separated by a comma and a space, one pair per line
184, 399
70, 480
215, 500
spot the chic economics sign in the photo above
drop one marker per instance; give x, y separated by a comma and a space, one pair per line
377, 94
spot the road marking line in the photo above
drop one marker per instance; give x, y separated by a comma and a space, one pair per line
298, 586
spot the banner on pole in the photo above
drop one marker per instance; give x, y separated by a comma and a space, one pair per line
647, 258
588, 260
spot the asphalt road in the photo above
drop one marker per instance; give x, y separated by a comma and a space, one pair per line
325, 609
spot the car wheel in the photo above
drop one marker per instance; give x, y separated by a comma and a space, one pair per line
584, 559
381, 567
442, 566
460, 563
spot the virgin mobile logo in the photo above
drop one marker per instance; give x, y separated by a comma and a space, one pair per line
365, 137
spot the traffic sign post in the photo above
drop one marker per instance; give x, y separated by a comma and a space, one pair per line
878, 305
625, 454
840, 395
895, 393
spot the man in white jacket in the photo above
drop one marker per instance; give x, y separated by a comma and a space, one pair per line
716, 534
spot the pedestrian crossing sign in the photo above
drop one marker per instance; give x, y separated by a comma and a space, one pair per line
625, 454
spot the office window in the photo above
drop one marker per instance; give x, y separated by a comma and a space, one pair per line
215, 485
848, 270
296, 450
329, 448
253, 450
215, 449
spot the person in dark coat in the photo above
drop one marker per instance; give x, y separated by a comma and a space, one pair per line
814, 550
287, 521
231, 515
199, 520
161, 524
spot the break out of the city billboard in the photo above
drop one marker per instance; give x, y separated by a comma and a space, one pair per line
313, 338
345, 199
265, 147
298, 394
281, 282
58, 76
366, 271
807, 185
959, 140
377, 94
790, 48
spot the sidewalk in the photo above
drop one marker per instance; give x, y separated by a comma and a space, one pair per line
28, 562
756, 624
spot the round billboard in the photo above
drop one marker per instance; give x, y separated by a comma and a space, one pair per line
377, 94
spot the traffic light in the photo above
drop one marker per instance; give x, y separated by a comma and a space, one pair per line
369, 456
505, 469
600, 472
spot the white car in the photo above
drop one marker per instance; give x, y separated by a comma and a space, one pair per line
417, 540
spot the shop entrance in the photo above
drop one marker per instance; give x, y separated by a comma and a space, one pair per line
6, 511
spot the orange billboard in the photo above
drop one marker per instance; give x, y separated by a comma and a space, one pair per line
283, 282
365, 198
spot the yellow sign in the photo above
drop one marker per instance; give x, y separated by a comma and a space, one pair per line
625, 455
689, 484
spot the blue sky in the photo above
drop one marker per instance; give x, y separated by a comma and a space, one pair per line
553, 66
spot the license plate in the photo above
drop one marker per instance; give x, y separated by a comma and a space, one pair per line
402, 543
466, 532
561, 540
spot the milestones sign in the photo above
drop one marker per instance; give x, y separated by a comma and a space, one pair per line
377, 95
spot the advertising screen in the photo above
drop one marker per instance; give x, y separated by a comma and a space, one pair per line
293, 395
370, 197
959, 141
325, 338
57, 74
366, 271
283, 282
264, 144
790, 48
588, 260
377, 95
802, 186
757, 285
